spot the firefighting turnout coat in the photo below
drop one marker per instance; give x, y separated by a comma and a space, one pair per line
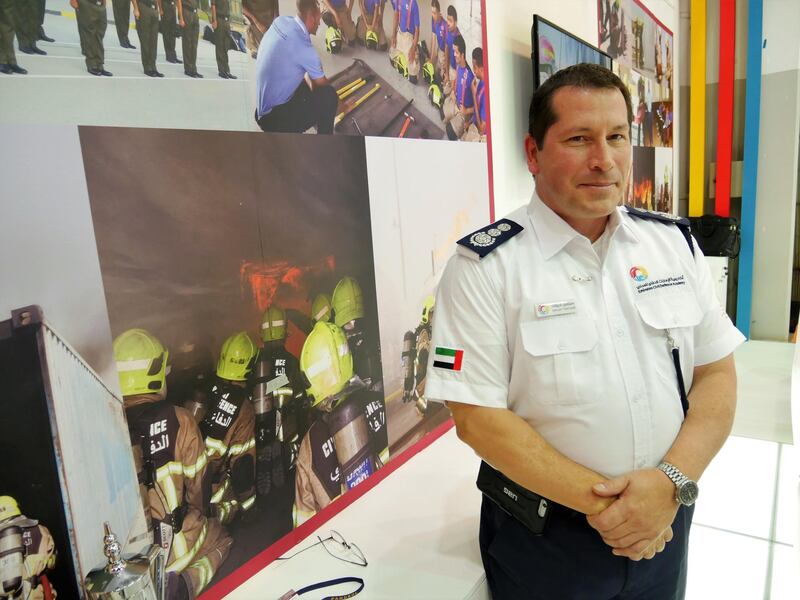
229, 432
170, 447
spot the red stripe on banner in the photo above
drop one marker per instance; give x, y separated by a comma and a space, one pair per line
727, 49
652, 16
488, 111
459, 358
290, 540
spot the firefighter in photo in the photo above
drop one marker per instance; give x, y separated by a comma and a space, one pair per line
405, 37
279, 398
438, 48
8, 58
449, 76
27, 552
221, 23
260, 14
476, 132
338, 451
192, 370
348, 313
171, 461
147, 14
369, 28
229, 430
416, 349
338, 14
169, 30
460, 104
321, 309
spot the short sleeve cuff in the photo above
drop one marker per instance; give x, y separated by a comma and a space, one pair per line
719, 348
438, 390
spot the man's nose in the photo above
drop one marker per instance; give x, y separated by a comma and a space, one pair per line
600, 158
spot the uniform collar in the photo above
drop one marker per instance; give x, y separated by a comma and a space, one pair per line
299, 21
554, 233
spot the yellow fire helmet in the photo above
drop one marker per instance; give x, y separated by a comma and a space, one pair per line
273, 324
347, 301
321, 308
237, 357
8, 508
326, 361
141, 362
427, 309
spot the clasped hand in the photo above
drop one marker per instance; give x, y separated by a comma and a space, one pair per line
639, 523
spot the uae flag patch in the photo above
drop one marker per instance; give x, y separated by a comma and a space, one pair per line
448, 358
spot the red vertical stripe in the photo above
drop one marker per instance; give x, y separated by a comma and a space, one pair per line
727, 47
459, 358
488, 110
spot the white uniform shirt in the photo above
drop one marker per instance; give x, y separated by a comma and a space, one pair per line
594, 378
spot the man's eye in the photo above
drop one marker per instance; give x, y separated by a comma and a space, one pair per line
578, 138
618, 137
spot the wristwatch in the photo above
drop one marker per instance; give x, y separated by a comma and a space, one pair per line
686, 490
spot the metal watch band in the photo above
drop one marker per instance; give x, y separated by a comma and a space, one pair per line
674, 473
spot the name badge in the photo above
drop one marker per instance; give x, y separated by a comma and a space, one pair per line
552, 309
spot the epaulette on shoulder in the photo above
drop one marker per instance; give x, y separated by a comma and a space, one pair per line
480, 243
682, 223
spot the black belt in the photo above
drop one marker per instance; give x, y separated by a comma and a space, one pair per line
527, 507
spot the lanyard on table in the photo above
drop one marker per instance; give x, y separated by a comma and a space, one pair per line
330, 583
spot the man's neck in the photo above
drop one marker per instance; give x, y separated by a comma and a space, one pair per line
588, 228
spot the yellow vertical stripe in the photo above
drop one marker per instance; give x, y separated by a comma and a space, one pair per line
697, 109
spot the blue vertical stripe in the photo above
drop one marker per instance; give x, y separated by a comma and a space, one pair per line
752, 112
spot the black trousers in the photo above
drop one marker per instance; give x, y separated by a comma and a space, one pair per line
306, 108
570, 561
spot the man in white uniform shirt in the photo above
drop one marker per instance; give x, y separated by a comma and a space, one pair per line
561, 335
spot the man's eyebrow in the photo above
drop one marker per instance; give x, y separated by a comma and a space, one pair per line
579, 129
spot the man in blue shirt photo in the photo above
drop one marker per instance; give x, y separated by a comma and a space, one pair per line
476, 132
293, 93
405, 35
458, 107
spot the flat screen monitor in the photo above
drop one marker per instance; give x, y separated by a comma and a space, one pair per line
554, 49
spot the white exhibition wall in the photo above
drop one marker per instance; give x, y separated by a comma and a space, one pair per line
508, 26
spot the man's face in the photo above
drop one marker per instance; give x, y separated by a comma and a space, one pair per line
312, 19
478, 71
458, 56
583, 166
451, 23
435, 14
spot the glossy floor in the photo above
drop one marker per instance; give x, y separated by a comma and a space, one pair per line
744, 542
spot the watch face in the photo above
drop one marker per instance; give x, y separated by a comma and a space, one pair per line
687, 493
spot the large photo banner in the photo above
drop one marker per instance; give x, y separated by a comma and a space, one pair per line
396, 68
643, 49
259, 302
293, 301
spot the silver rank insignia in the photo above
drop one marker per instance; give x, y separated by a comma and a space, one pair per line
478, 244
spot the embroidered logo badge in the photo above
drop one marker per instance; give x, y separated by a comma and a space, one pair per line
448, 358
481, 239
639, 273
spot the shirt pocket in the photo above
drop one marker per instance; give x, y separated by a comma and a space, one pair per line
676, 312
562, 366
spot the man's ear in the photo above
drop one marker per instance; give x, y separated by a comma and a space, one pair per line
532, 155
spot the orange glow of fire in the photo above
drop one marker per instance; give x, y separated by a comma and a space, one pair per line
643, 194
280, 281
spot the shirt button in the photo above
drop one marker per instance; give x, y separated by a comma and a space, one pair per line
640, 463
620, 333
562, 346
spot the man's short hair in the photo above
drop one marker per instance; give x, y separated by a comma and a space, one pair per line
459, 43
451, 12
435, 4
541, 115
306, 6
477, 56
